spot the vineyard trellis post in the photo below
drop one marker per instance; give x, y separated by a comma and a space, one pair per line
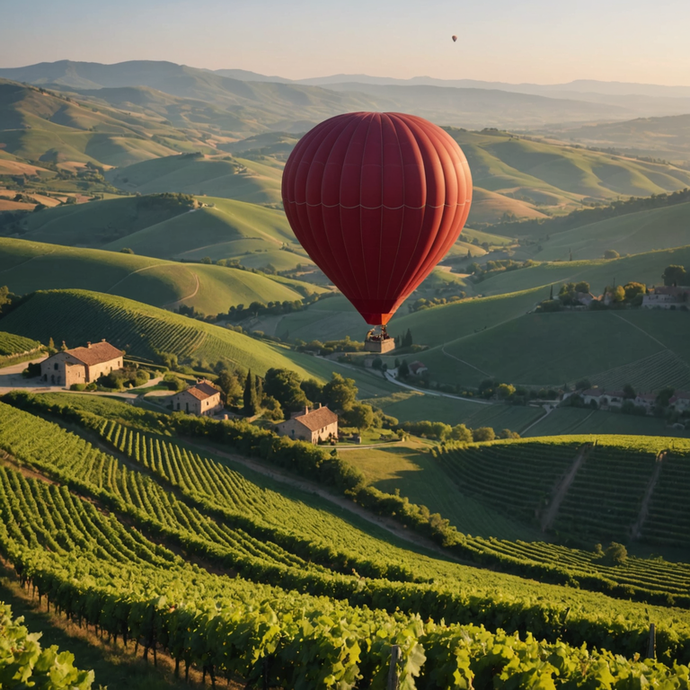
651, 649
393, 679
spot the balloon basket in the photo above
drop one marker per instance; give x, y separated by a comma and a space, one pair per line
379, 342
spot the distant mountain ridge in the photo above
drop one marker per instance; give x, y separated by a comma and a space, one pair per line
255, 98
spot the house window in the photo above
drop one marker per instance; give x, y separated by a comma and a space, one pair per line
55, 366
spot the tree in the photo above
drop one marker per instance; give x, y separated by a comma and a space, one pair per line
505, 390
359, 415
582, 286
340, 393
403, 370
126, 250
616, 553
461, 433
629, 392
284, 385
583, 384
617, 294
674, 275
230, 386
611, 254
313, 390
632, 290
251, 406
483, 433
664, 396
507, 433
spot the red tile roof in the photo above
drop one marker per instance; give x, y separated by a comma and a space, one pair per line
317, 419
98, 353
202, 390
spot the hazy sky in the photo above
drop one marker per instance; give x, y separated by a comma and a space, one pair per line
544, 41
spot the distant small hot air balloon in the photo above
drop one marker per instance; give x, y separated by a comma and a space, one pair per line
455, 38
376, 200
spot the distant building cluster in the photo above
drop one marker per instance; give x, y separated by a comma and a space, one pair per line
666, 297
680, 400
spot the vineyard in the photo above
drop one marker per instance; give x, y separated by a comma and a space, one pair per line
624, 486
77, 316
289, 553
13, 347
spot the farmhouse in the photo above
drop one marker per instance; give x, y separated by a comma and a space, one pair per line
680, 401
666, 297
201, 399
81, 364
603, 398
310, 425
417, 368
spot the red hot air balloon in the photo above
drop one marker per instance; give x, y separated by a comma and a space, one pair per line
455, 38
376, 200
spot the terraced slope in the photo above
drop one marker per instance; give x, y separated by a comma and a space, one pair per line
617, 491
77, 316
605, 498
517, 478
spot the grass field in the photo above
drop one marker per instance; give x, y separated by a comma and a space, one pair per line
224, 176
27, 266
570, 420
646, 268
553, 349
633, 233
410, 469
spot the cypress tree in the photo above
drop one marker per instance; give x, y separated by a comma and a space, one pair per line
250, 406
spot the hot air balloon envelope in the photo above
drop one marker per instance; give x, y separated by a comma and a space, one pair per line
376, 200
455, 38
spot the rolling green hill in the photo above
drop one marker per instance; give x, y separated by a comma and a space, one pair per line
641, 347
646, 268
77, 316
660, 137
225, 176
552, 178
40, 125
634, 233
27, 266
162, 226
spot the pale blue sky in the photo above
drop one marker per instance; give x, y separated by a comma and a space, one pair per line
544, 41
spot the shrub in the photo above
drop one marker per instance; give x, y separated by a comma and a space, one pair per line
78, 387
616, 553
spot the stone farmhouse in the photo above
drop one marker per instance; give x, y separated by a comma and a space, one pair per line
666, 297
201, 399
81, 364
320, 424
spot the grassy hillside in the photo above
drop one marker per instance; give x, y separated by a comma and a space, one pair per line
633, 233
77, 316
44, 125
223, 176
660, 137
98, 222
646, 268
27, 266
162, 226
555, 178
641, 347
